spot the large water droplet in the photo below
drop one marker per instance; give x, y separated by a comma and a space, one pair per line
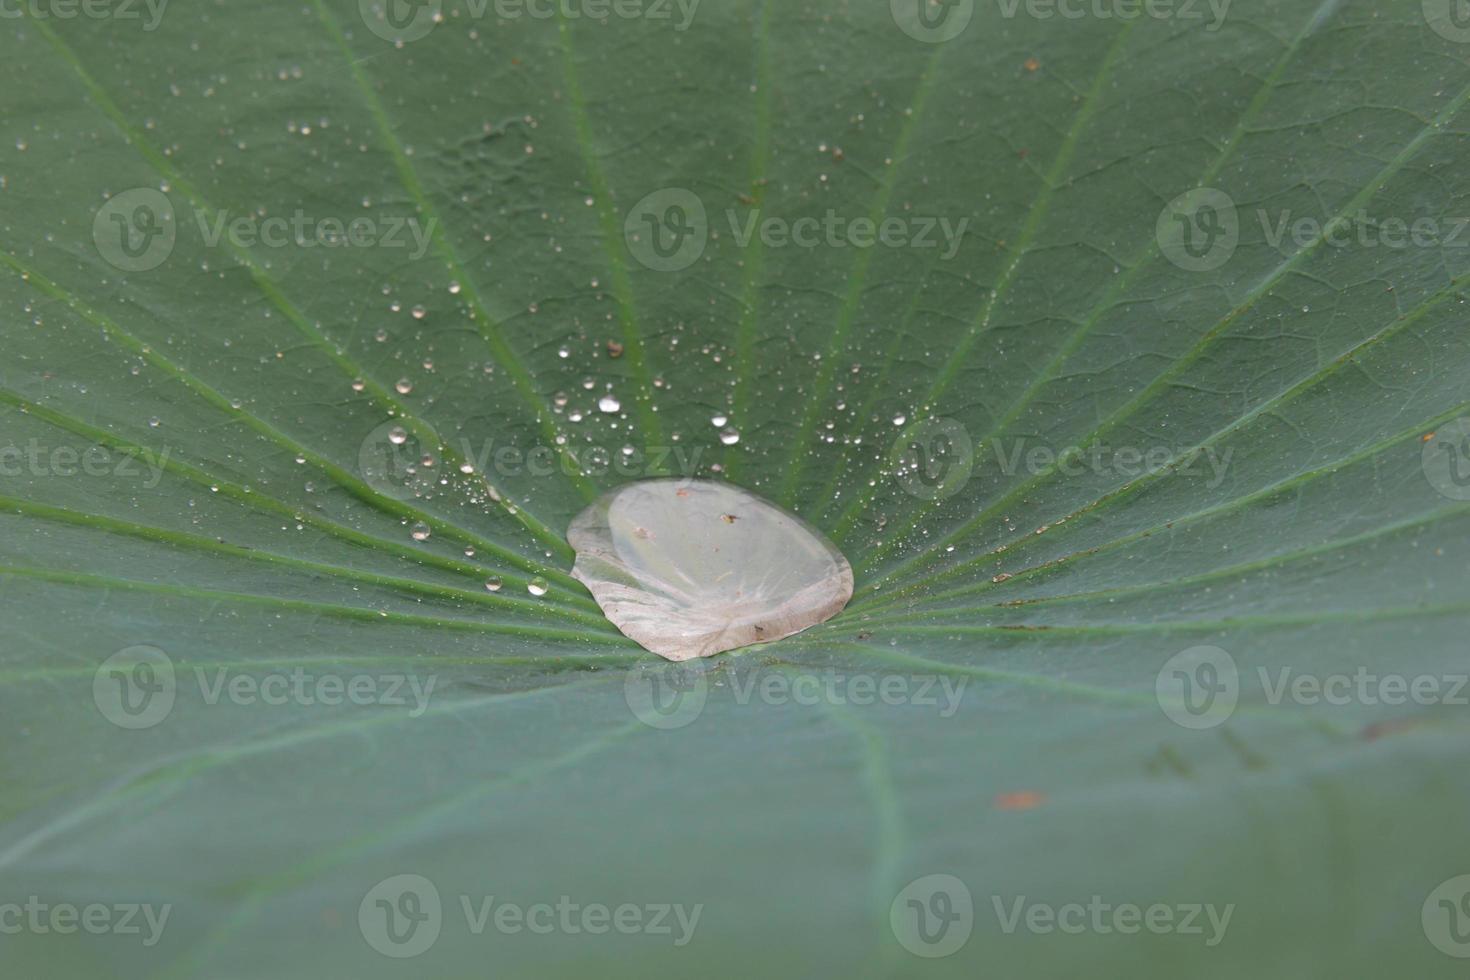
693, 568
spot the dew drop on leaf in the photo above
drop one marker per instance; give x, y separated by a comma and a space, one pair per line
693, 568
537, 586
420, 531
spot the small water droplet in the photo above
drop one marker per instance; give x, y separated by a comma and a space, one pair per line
608, 404
404, 386
537, 586
492, 584
420, 531
729, 437
398, 435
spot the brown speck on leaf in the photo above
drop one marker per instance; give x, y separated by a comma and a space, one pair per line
1032, 64
1023, 799
681, 492
865, 635
729, 518
997, 579
837, 154
745, 199
642, 532
1378, 729
1024, 152
1426, 437
614, 349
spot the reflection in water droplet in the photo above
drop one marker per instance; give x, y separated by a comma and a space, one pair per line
421, 531
537, 586
694, 568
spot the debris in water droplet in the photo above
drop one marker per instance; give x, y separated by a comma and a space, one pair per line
614, 349
673, 567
